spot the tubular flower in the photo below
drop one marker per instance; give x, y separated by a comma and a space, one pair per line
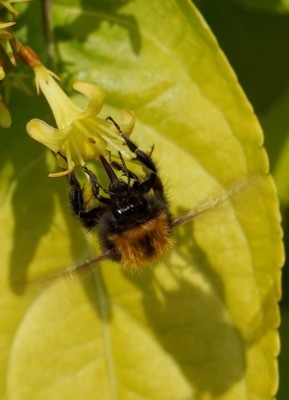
5, 36
80, 135
2, 73
8, 5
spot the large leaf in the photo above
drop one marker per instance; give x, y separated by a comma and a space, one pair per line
256, 45
200, 324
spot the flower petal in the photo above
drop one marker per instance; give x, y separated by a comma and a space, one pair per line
6, 24
127, 121
2, 73
5, 44
51, 137
95, 95
85, 135
64, 110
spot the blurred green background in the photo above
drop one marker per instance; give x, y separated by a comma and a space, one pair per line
255, 38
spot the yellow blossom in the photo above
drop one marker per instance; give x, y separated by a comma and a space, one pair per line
5, 36
2, 73
80, 135
8, 5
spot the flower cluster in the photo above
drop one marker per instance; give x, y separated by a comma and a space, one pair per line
80, 134
8, 5
5, 37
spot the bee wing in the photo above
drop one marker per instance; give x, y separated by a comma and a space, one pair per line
202, 208
214, 201
80, 270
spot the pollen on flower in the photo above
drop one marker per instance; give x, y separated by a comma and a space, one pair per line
80, 134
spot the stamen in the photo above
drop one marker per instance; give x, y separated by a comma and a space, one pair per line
87, 134
62, 173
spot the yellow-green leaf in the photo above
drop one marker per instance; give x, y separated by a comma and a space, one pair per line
202, 323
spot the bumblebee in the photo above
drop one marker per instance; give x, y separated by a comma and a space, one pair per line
132, 218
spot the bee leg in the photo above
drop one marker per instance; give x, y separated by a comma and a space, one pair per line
122, 167
153, 181
75, 194
90, 218
95, 186
140, 155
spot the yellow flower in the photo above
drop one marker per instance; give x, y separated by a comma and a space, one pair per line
5, 36
8, 5
2, 73
80, 135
